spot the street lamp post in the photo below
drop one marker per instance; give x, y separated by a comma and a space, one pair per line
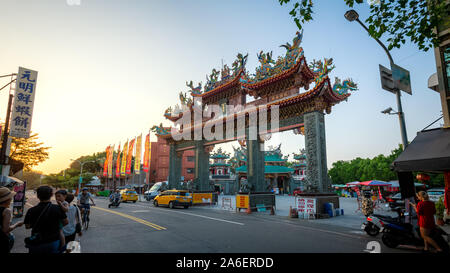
81, 171
351, 16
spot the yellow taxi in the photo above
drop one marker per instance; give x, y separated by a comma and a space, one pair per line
173, 198
129, 195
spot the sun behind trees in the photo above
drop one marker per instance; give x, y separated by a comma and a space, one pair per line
29, 151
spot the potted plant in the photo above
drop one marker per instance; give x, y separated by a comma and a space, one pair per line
440, 211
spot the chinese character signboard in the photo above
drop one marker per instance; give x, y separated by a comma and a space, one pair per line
306, 205
22, 111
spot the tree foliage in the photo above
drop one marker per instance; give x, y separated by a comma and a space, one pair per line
377, 168
29, 151
399, 19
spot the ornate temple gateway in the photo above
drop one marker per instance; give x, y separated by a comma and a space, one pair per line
300, 92
277, 175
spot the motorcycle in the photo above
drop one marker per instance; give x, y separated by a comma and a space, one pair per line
374, 222
114, 202
397, 233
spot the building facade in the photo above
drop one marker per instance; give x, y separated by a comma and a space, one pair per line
159, 163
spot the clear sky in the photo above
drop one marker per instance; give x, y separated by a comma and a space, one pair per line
109, 68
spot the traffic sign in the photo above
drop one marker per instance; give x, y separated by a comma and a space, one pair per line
387, 83
402, 79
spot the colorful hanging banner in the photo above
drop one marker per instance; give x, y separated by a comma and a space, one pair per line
110, 162
105, 165
137, 157
130, 156
147, 153
123, 167
118, 163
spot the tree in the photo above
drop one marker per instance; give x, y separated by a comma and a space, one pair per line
28, 151
377, 168
399, 19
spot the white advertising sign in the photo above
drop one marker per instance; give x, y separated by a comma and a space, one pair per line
22, 111
306, 205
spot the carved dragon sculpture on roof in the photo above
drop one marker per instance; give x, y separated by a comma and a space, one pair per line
159, 130
269, 67
185, 102
301, 155
345, 86
239, 63
225, 73
212, 80
194, 90
321, 69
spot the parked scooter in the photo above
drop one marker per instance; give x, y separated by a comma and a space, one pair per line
397, 233
374, 222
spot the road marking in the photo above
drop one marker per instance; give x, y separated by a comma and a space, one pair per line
135, 211
155, 226
192, 214
211, 218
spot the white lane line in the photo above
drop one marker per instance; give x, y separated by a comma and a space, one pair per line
211, 218
135, 211
192, 214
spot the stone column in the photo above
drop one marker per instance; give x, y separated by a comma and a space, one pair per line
175, 166
255, 165
201, 179
316, 155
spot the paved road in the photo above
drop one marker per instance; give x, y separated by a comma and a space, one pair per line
140, 227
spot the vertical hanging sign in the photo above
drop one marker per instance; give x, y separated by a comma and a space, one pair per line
22, 111
147, 153
118, 163
105, 165
137, 157
110, 162
130, 156
123, 167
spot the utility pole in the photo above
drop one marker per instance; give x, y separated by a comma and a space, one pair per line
4, 158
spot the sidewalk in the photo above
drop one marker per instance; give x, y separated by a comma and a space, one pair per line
351, 219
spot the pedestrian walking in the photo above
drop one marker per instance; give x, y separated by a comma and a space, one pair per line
60, 197
6, 237
425, 210
44, 220
74, 221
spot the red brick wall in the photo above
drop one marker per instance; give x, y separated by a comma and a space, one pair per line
159, 162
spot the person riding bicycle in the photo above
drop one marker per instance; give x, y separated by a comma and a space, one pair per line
83, 201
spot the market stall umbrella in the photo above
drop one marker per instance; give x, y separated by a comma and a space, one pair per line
374, 183
352, 184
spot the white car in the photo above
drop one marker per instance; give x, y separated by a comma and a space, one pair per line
435, 194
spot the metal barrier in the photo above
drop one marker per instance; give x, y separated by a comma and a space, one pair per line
251, 201
226, 203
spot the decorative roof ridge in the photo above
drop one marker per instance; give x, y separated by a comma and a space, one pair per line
222, 86
301, 62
